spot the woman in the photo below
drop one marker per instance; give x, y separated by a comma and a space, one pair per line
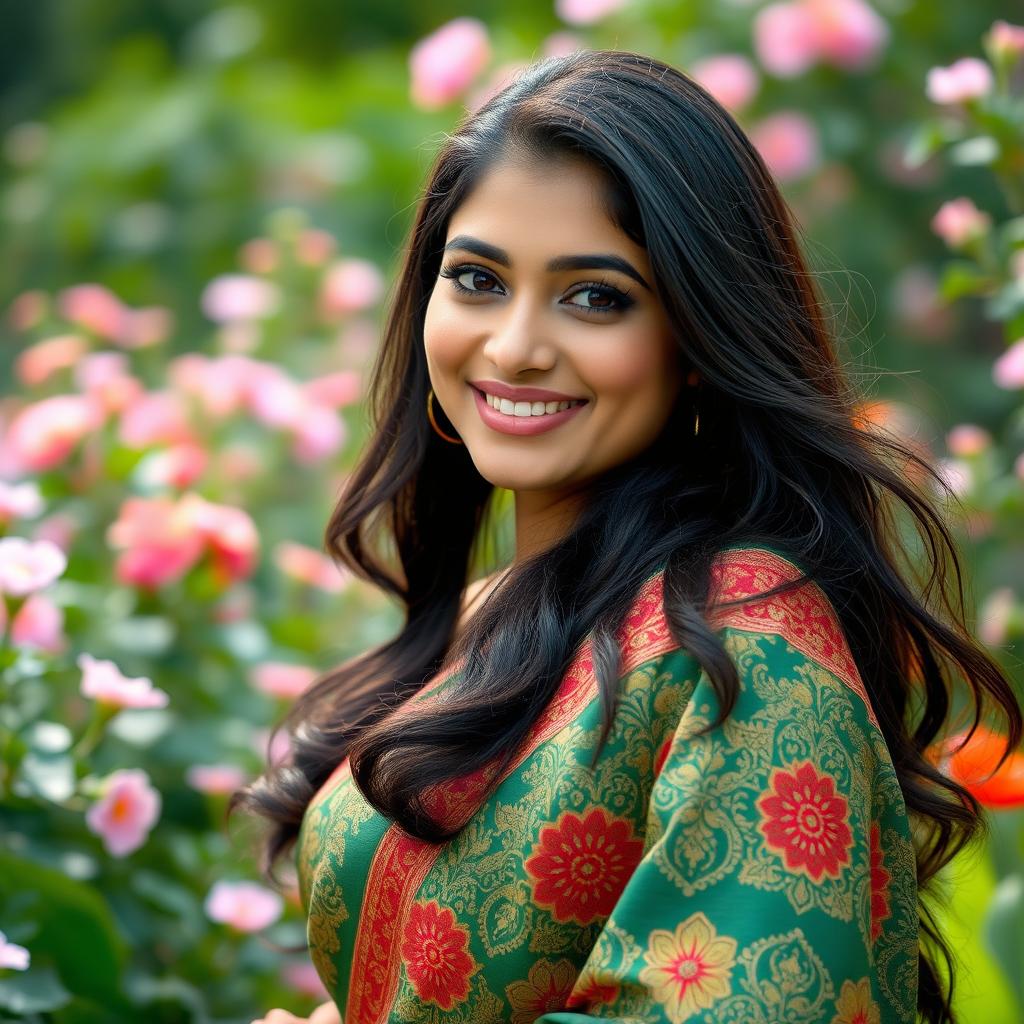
676, 761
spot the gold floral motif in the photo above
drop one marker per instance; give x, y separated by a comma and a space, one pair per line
690, 969
855, 1005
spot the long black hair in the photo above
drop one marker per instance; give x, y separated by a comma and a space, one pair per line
781, 459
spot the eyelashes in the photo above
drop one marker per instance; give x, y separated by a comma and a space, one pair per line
453, 271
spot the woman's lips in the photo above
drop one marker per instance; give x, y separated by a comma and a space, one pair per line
522, 425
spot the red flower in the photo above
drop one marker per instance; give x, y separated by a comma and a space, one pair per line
879, 883
589, 991
435, 956
806, 821
581, 865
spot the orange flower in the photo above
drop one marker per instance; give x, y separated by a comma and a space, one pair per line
973, 765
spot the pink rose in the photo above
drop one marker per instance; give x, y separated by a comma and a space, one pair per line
968, 439
102, 681
283, 680
850, 34
959, 221
244, 906
20, 501
729, 77
443, 64
350, 286
215, 779
36, 364
126, 812
966, 79
39, 624
1008, 370
307, 565
155, 417
158, 542
785, 38
95, 308
1006, 41
587, 12
788, 143
240, 297
42, 435
12, 955
27, 566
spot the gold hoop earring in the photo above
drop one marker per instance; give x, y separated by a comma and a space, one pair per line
696, 421
433, 422
693, 379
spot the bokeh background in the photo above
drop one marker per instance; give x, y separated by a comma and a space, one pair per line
202, 207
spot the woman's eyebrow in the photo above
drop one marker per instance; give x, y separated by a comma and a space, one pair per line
583, 261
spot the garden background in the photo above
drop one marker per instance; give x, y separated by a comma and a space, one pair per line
202, 206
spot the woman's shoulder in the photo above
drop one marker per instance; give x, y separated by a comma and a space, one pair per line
799, 621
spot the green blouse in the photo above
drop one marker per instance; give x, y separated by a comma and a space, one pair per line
761, 872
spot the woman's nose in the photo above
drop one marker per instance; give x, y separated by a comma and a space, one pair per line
520, 339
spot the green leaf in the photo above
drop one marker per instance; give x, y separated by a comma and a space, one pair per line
924, 143
35, 991
1004, 929
982, 149
75, 926
961, 278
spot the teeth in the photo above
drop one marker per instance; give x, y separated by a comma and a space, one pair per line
510, 408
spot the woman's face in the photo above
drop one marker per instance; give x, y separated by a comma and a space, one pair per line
540, 290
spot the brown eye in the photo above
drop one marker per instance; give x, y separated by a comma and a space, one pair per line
479, 280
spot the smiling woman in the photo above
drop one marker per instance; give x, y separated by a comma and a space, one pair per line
673, 763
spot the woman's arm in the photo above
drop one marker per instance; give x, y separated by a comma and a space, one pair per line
325, 1013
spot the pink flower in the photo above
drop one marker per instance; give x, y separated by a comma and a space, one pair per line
274, 398
968, 439
280, 679
303, 978
994, 616
729, 77
215, 779
95, 308
788, 143
103, 681
36, 364
104, 376
144, 327
39, 624
586, 12
318, 433
307, 565
155, 417
959, 221
1006, 41
343, 387
349, 286
785, 38
244, 906
45, 433
561, 44
443, 64
179, 466
12, 955
126, 812
28, 566
229, 533
313, 247
850, 34
279, 747
1008, 370
220, 385
158, 540
240, 297
792, 36
259, 256
966, 79
20, 501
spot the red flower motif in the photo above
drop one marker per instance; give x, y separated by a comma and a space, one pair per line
879, 883
581, 865
589, 991
806, 820
435, 956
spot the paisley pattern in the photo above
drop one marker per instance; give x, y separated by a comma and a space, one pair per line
759, 871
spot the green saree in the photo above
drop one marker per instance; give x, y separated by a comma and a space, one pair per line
761, 872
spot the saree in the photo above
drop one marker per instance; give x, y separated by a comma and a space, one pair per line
760, 871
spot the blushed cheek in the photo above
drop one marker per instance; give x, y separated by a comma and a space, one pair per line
444, 339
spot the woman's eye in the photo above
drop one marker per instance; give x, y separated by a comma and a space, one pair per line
599, 298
